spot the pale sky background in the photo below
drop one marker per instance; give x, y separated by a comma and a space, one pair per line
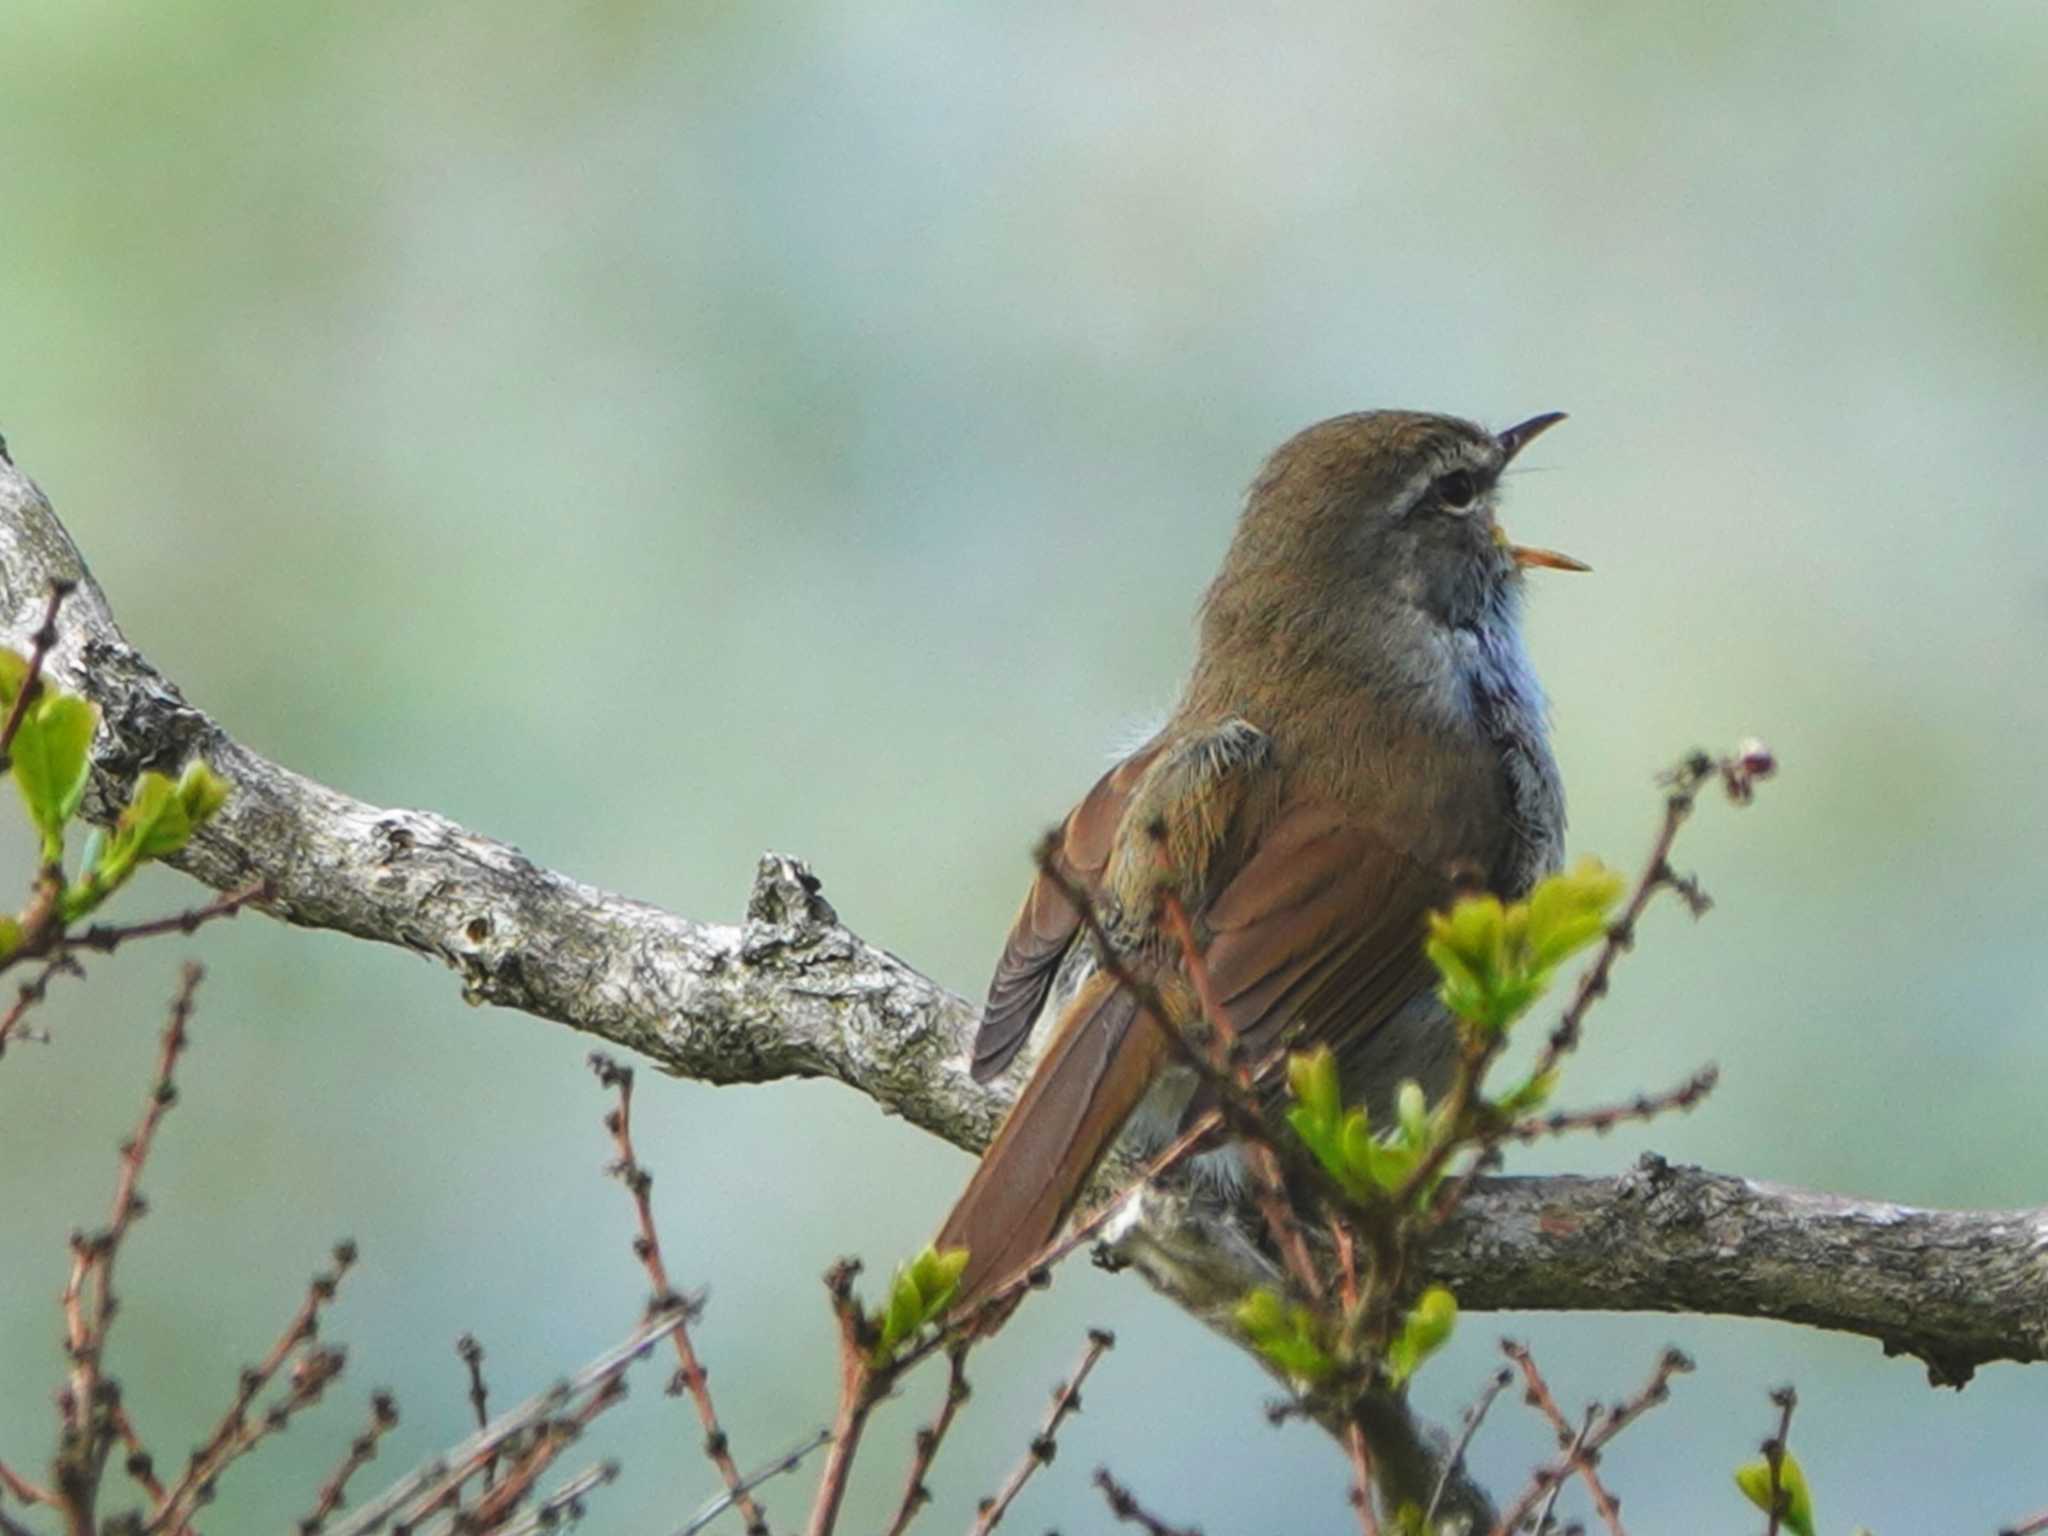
652, 434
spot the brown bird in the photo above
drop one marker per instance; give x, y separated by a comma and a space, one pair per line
1361, 732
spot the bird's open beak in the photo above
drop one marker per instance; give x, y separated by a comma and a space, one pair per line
1522, 434
1512, 441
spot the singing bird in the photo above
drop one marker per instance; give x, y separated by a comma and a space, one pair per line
1361, 734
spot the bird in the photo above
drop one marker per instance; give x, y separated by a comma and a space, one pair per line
1361, 738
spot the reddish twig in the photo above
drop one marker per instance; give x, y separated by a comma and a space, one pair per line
139, 1464
1474, 1417
361, 1451
41, 642
471, 1353
1574, 1448
564, 1507
1739, 774
1125, 1506
435, 1484
930, 1436
690, 1376
784, 1464
1360, 1492
1785, 1400
861, 1385
86, 1404
31, 993
1269, 1188
43, 931
22, 1491
1586, 1449
1538, 1396
236, 1435
1066, 1399
1601, 1120
525, 1469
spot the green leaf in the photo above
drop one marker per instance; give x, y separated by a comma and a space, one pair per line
1754, 1479
10, 936
155, 822
918, 1293
1312, 1077
51, 760
1423, 1332
13, 673
1569, 911
1413, 1111
938, 1277
201, 791
1286, 1334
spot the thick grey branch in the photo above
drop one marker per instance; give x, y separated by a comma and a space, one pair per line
791, 992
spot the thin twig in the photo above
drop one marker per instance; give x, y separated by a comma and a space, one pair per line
1269, 1188
1359, 1453
1672, 1363
786, 1463
1066, 1399
690, 1376
930, 1436
41, 641
471, 1353
32, 993
86, 1404
525, 1469
1125, 1506
361, 1450
234, 1436
564, 1507
425, 1486
22, 1491
140, 1464
1474, 1417
861, 1385
1573, 1450
1774, 1457
106, 937
1539, 1397
1601, 1120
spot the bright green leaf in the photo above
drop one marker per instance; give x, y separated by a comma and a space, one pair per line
1754, 1479
1287, 1335
201, 791
51, 759
154, 823
1423, 1332
13, 673
1312, 1076
1413, 1111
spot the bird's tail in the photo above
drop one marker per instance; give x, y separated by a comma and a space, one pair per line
1101, 1060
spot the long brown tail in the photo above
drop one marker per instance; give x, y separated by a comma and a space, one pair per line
1101, 1060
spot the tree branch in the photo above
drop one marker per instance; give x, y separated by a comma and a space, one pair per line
791, 992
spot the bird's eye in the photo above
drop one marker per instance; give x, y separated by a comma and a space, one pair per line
1457, 490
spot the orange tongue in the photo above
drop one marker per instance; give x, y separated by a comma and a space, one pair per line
1549, 559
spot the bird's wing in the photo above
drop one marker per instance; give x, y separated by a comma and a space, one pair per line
1047, 923
1318, 936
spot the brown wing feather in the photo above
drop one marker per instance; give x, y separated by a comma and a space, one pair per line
1047, 923
1093, 1074
1319, 936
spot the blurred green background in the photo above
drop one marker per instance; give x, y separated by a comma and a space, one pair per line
654, 434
